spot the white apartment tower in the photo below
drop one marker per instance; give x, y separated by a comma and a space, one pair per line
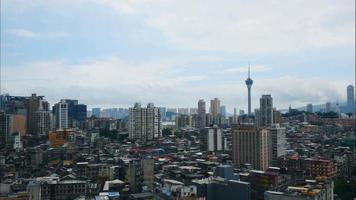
61, 114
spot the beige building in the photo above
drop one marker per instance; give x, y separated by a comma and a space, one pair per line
251, 145
215, 107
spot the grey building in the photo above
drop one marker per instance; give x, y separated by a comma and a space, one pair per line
223, 185
38, 116
201, 117
350, 98
144, 123
266, 110
278, 142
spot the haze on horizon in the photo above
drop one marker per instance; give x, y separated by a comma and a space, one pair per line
113, 53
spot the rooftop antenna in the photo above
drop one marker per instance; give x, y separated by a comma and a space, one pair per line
249, 69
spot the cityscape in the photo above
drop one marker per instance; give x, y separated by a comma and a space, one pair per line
136, 108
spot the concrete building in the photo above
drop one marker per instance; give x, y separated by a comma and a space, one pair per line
251, 145
223, 185
266, 110
350, 98
271, 179
277, 116
215, 107
38, 115
74, 113
144, 123
201, 118
319, 189
60, 111
278, 142
214, 139
183, 121
223, 111
53, 188
4, 129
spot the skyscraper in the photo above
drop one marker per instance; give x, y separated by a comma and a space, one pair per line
223, 111
60, 111
75, 113
350, 98
249, 83
144, 123
266, 110
212, 139
215, 107
201, 120
251, 145
38, 115
278, 142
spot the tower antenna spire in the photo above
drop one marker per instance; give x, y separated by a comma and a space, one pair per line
249, 69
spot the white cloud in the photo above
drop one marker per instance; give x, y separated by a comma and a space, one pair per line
115, 82
24, 33
245, 27
272, 26
239, 70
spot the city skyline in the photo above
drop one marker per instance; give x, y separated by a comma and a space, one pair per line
175, 64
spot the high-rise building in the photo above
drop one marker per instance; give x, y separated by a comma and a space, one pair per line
278, 142
309, 107
266, 110
61, 114
96, 112
4, 129
223, 111
215, 139
350, 98
162, 110
277, 116
68, 113
201, 118
38, 115
215, 107
249, 83
144, 123
251, 145
183, 121
235, 117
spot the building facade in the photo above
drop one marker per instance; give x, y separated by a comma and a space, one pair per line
266, 110
144, 123
251, 145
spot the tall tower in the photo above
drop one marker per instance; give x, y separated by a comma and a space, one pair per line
249, 83
350, 98
266, 110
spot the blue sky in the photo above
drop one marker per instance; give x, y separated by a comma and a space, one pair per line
116, 52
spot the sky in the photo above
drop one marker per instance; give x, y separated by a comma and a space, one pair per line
113, 53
